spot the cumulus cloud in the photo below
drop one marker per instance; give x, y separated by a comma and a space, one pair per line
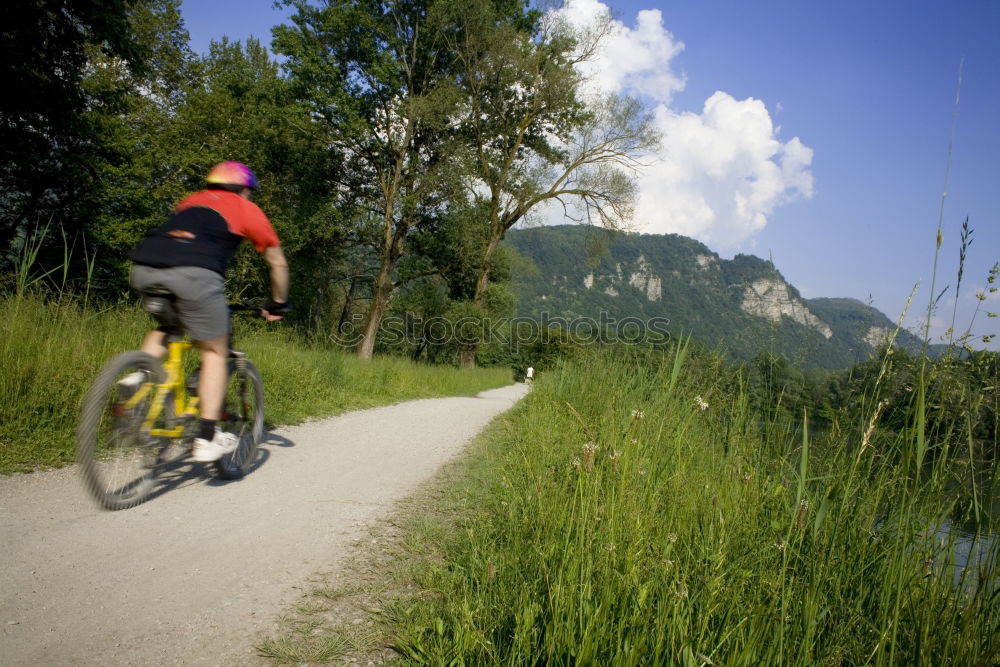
719, 173
631, 60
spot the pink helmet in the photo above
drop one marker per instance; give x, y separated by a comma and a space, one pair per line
232, 173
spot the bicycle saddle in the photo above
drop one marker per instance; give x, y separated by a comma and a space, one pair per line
159, 303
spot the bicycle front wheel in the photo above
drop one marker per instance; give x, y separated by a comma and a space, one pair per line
118, 460
243, 416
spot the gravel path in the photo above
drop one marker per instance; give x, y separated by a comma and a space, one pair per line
197, 574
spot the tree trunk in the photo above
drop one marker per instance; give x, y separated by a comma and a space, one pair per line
467, 355
348, 301
380, 299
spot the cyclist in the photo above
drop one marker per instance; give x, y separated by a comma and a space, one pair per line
188, 256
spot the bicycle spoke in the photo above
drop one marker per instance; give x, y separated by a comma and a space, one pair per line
118, 459
244, 417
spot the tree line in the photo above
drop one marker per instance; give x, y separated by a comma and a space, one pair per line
396, 142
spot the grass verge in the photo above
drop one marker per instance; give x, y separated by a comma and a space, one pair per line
50, 351
632, 510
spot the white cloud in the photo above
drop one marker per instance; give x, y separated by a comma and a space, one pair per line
720, 173
631, 60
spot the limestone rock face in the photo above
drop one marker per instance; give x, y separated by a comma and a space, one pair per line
706, 261
643, 278
769, 298
877, 336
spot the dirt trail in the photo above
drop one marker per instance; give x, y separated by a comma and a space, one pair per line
198, 574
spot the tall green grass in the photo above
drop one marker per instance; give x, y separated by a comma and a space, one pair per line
51, 349
632, 510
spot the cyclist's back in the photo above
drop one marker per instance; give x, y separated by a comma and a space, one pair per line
204, 231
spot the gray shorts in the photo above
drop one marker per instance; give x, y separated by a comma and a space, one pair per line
201, 296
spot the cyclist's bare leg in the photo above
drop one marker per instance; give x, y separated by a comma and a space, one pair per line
153, 344
212, 383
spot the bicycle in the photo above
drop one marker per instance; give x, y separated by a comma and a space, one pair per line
140, 410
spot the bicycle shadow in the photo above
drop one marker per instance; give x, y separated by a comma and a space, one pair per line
179, 470
263, 454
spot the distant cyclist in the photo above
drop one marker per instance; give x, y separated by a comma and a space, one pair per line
188, 256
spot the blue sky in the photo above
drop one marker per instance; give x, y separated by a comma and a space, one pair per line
827, 122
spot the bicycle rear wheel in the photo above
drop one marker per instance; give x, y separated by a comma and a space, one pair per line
118, 461
242, 415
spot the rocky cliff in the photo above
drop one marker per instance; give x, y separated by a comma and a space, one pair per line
743, 305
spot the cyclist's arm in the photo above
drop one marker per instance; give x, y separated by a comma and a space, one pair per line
275, 259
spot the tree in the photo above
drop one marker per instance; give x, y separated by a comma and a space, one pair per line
375, 72
46, 142
134, 162
534, 133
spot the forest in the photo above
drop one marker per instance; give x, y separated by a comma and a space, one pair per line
395, 145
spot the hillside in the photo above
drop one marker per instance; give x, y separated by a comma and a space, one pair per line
743, 305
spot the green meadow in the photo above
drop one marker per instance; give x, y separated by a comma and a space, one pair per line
51, 349
635, 509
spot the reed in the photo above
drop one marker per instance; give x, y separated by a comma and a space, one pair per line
610, 521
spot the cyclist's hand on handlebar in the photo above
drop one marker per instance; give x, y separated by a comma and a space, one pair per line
275, 310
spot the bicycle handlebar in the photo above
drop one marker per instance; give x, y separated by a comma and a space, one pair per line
256, 309
245, 306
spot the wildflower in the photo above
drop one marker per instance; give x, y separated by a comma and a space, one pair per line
803, 510
615, 455
672, 538
746, 477
611, 547
781, 546
576, 464
681, 594
589, 450
700, 403
667, 563
637, 414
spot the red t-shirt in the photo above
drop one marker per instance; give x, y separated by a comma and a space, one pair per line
204, 231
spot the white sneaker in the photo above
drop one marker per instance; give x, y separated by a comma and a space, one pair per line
206, 451
129, 383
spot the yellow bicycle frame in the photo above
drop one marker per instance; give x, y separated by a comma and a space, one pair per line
183, 406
